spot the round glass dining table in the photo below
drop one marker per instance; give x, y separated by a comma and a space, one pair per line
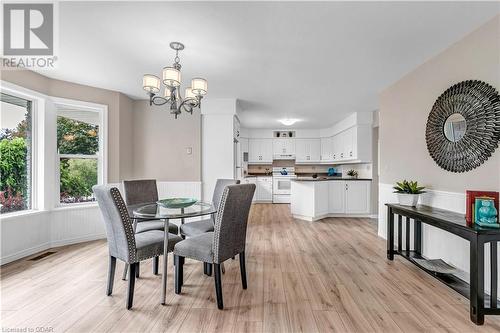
155, 211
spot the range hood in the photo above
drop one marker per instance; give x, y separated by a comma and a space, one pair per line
283, 157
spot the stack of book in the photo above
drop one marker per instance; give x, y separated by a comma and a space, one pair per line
477, 203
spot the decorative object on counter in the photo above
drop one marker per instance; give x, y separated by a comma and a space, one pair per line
331, 172
314, 175
352, 174
485, 213
408, 192
470, 197
172, 81
463, 127
177, 202
284, 172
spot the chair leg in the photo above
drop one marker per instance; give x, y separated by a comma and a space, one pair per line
137, 270
125, 269
179, 273
218, 286
111, 274
243, 270
131, 285
209, 269
155, 265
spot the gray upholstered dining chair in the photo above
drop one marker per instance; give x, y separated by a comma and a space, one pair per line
226, 241
207, 225
123, 242
144, 191
200, 227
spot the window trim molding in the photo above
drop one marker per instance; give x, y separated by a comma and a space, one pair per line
102, 156
40, 187
38, 143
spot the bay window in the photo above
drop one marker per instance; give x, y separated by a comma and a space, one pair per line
79, 149
15, 154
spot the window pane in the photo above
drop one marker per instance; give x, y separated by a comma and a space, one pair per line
77, 176
15, 154
75, 136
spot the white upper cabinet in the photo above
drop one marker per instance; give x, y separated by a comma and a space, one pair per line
283, 146
326, 149
353, 145
307, 150
260, 151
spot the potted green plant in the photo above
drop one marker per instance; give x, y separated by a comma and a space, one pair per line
408, 192
352, 173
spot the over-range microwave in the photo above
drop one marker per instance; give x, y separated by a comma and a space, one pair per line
283, 157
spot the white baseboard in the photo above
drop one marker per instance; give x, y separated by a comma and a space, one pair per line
24, 253
324, 216
75, 240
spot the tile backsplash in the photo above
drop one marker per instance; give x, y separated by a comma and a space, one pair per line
364, 169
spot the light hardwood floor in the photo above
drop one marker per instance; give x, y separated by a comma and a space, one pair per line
327, 276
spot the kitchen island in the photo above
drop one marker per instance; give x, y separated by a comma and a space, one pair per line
313, 199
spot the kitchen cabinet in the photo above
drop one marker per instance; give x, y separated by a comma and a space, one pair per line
260, 151
264, 189
336, 197
349, 197
307, 151
314, 200
326, 149
357, 197
353, 144
283, 146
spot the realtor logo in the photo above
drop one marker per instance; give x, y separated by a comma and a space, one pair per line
28, 29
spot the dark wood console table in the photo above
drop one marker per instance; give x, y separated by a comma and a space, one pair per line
454, 223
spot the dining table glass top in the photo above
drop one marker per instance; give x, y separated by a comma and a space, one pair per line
157, 211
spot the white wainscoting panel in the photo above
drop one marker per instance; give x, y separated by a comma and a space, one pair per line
436, 243
25, 234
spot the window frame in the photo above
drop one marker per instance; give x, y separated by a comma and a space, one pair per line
36, 173
102, 156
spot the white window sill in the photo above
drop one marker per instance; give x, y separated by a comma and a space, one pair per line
83, 205
22, 213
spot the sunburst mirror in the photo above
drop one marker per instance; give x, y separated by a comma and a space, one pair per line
463, 128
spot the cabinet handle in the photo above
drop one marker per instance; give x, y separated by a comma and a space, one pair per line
350, 153
341, 154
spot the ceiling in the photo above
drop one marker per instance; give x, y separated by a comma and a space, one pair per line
317, 62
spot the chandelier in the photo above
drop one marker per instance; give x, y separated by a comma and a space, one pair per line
172, 81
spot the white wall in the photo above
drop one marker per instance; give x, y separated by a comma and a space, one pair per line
217, 157
404, 108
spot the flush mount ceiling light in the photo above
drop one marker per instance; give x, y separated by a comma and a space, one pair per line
172, 80
288, 121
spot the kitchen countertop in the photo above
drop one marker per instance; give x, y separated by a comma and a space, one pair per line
319, 179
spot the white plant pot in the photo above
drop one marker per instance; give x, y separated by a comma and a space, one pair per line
408, 199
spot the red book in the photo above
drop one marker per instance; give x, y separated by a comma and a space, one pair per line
470, 197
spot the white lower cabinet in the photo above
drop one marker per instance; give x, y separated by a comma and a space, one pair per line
314, 200
357, 197
264, 189
349, 197
336, 197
